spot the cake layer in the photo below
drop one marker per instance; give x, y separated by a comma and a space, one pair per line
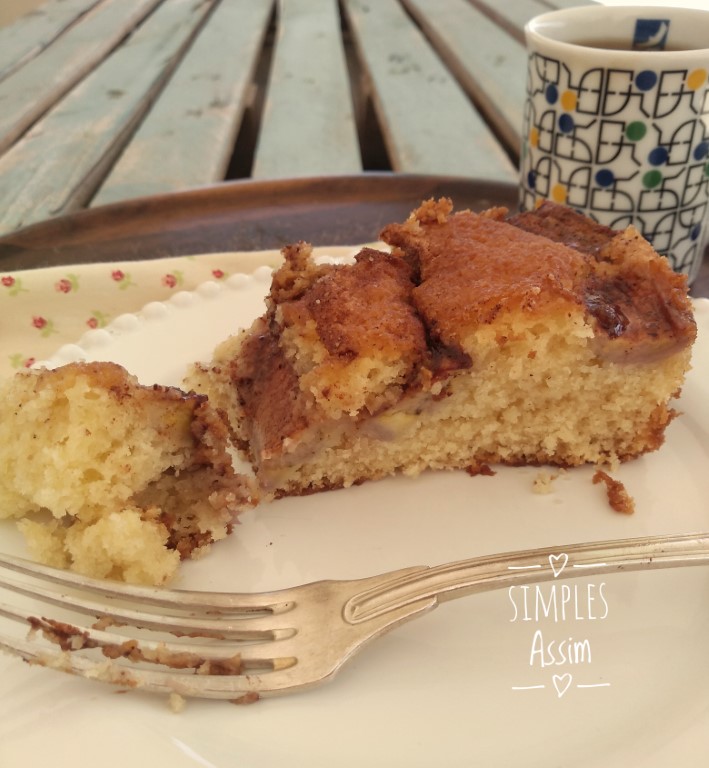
480, 338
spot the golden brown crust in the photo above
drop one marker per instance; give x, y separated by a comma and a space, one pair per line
564, 225
630, 292
362, 309
471, 267
638, 301
297, 273
113, 378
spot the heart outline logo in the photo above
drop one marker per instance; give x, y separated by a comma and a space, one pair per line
554, 561
562, 683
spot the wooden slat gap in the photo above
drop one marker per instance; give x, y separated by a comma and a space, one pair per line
429, 123
493, 13
375, 155
308, 124
480, 104
487, 98
242, 158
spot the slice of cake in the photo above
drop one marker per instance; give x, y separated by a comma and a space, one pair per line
111, 478
538, 339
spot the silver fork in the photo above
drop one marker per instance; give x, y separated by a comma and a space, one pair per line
243, 646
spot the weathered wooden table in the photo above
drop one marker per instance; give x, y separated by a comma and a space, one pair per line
107, 101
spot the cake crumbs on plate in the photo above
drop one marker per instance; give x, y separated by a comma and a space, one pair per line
177, 702
544, 482
251, 697
618, 496
480, 469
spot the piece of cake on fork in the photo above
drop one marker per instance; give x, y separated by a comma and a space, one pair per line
540, 338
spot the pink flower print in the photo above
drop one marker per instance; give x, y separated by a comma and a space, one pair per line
173, 279
67, 284
13, 284
18, 360
98, 319
218, 274
122, 278
44, 326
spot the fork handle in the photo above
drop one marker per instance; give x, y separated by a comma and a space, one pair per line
481, 574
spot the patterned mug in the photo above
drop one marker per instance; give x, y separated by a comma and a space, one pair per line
616, 122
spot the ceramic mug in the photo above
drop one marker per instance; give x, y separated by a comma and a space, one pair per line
616, 122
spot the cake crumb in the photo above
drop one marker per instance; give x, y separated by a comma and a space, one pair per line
480, 469
177, 702
248, 698
544, 482
618, 496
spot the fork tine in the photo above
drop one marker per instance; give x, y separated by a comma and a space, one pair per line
174, 611
243, 633
179, 600
253, 625
215, 670
230, 687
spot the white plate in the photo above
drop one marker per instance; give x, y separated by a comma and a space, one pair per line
443, 690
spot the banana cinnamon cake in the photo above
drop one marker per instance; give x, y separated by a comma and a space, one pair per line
539, 338
112, 478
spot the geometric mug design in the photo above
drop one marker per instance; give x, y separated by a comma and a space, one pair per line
610, 143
